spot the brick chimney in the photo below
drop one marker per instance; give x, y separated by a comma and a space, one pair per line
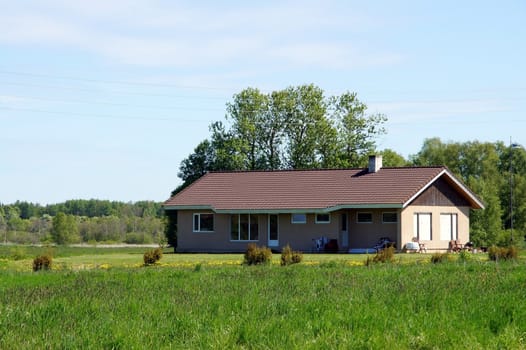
375, 163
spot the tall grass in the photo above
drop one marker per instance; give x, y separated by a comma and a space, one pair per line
473, 305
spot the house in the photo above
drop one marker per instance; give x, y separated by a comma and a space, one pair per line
223, 211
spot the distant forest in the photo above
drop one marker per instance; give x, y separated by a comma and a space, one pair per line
76, 221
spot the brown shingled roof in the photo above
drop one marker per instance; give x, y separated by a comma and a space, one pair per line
310, 189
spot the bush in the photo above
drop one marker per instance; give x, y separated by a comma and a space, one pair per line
464, 255
384, 255
42, 262
257, 255
152, 256
439, 258
502, 253
289, 257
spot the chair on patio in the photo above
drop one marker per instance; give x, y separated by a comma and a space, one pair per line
455, 246
421, 246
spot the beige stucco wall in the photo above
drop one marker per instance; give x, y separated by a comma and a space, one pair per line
406, 229
299, 236
366, 235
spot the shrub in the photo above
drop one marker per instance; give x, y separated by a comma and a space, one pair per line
464, 256
288, 256
257, 255
384, 255
152, 256
502, 253
439, 258
42, 262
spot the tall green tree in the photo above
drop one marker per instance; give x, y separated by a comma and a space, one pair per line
64, 229
357, 129
295, 128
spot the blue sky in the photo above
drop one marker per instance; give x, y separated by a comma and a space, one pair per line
103, 99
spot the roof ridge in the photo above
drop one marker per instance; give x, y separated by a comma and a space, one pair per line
281, 170
323, 169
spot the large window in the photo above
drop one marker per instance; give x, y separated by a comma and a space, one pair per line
364, 217
203, 222
323, 218
448, 227
299, 218
422, 226
244, 227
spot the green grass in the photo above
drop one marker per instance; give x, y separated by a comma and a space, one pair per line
210, 301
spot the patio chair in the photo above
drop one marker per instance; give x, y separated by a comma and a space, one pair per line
421, 246
455, 246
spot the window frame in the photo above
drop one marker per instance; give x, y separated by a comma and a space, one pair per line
364, 222
453, 226
199, 230
322, 221
249, 227
389, 222
292, 221
417, 233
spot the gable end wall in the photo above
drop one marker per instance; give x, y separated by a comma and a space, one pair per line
440, 193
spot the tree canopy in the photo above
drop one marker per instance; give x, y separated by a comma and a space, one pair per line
295, 128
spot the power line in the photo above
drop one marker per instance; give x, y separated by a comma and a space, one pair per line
115, 104
75, 88
119, 82
102, 116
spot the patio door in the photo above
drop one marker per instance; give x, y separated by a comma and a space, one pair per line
273, 230
344, 231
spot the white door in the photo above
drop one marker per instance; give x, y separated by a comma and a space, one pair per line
273, 230
344, 231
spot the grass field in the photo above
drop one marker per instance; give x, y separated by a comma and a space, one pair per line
210, 301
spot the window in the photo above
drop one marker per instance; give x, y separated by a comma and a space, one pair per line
299, 218
448, 227
389, 218
364, 218
244, 227
203, 222
323, 218
422, 226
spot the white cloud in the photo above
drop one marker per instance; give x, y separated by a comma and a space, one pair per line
179, 35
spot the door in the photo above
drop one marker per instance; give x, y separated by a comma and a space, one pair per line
344, 232
273, 230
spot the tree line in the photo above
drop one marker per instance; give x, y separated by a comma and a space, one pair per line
301, 128
77, 221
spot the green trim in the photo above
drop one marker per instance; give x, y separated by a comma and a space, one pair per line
188, 207
364, 206
285, 210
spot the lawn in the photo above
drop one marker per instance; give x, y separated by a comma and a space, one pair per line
211, 301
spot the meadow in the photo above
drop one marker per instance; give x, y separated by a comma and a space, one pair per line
102, 298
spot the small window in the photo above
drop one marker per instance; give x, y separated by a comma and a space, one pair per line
389, 218
364, 218
323, 218
299, 218
203, 222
